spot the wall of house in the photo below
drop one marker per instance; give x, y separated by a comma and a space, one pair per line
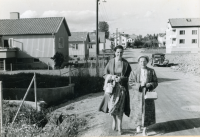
92, 51
33, 45
101, 46
62, 33
80, 52
108, 44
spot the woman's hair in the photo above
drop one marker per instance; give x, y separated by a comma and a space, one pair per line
118, 47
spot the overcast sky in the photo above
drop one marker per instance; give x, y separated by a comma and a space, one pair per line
129, 16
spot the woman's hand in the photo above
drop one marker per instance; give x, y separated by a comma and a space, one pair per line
148, 85
143, 84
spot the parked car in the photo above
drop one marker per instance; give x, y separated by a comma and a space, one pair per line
159, 59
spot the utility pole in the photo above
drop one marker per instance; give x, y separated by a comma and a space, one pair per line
97, 38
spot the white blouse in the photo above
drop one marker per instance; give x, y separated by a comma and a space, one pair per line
143, 75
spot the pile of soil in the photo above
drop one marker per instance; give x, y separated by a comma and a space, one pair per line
188, 63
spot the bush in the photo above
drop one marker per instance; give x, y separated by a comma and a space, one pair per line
83, 84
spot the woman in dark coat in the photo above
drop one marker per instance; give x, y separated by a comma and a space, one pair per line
120, 68
141, 80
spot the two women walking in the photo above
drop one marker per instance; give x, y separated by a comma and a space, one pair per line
119, 75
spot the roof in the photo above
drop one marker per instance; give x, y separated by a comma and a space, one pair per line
102, 38
161, 34
78, 36
133, 36
125, 35
32, 26
185, 22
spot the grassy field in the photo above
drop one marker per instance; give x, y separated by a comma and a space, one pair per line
158, 50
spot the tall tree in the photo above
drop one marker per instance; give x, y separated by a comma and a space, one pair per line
104, 27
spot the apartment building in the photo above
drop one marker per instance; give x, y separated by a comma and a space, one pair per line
182, 35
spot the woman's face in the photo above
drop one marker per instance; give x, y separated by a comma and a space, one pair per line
119, 53
143, 62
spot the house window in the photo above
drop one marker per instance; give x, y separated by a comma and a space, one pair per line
75, 46
181, 41
36, 60
75, 55
6, 43
61, 42
194, 40
173, 40
194, 32
90, 46
182, 32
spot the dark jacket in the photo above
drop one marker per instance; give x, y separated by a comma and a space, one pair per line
126, 70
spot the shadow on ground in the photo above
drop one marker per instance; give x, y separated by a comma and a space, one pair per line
160, 80
174, 126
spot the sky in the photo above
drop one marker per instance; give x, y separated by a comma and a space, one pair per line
140, 17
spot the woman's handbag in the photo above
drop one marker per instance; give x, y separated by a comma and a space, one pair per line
151, 95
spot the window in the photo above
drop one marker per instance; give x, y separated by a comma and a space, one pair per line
194, 40
75, 55
181, 41
36, 60
90, 46
194, 32
182, 32
75, 46
173, 40
6, 43
10, 42
61, 42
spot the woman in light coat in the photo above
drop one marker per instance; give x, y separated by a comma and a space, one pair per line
141, 80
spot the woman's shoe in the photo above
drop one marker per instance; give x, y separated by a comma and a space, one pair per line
144, 133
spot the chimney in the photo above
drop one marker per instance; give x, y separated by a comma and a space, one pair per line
14, 15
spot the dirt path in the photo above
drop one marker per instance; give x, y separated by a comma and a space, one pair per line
177, 109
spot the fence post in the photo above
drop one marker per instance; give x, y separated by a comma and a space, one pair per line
69, 74
1, 105
11, 66
23, 99
35, 91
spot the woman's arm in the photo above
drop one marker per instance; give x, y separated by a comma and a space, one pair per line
132, 81
106, 70
154, 83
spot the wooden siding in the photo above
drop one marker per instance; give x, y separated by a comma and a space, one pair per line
62, 32
80, 51
33, 45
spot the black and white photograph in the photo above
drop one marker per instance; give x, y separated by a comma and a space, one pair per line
79, 68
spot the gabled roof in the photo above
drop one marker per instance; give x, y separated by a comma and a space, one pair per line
78, 36
133, 36
161, 34
185, 22
101, 35
32, 26
125, 35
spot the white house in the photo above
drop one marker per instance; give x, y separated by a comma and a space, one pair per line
182, 35
121, 39
36, 40
79, 45
162, 39
131, 38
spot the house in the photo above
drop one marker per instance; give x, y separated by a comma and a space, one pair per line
36, 40
182, 35
79, 45
121, 39
92, 45
108, 44
161, 39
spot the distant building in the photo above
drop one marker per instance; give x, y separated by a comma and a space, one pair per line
79, 45
36, 40
131, 38
92, 44
161, 39
182, 35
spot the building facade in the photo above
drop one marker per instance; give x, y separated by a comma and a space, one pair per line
182, 36
79, 45
34, 45
161, 39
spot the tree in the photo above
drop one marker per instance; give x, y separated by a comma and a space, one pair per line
58, 59
104, 27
